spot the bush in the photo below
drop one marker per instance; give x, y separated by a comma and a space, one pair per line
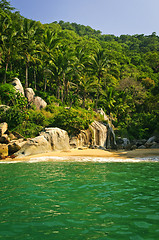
10, 97
72, 120
14, 116
28, 129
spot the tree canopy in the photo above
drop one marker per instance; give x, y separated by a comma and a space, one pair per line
78, 66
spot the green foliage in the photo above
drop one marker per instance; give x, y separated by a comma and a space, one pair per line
28, 129
12, 98
14, 116
73, 65
72, 120
37, 117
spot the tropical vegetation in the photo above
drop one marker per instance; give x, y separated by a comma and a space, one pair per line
75, 66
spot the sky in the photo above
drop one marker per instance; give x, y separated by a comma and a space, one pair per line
115, 17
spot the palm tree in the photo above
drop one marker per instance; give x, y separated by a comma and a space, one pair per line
98, 65
28, 44
8, 37
85, 86
47, 50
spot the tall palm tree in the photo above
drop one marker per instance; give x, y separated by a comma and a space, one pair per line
8, 37
85, 86
28, 44
98, 65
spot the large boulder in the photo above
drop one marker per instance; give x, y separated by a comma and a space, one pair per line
29, 93
34, 146
18, 86
3, 128
39, 103
99, 134
82, 140
58, 138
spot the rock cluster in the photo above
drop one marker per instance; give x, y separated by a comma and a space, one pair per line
124, 143
9, 143
98, 135
29, 94
14, 145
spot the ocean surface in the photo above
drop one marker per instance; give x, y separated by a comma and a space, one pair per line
81, 198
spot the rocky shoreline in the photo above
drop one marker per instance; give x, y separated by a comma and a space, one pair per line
55, 141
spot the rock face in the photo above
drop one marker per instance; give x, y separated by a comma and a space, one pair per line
99, 133
3, 128
58, 138
39, 103
29, 93
34, 146
18, 86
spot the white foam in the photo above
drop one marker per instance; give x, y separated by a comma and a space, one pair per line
86, 159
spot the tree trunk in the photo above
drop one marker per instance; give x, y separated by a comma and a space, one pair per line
45, 84
34, 78
5, 74
26, 75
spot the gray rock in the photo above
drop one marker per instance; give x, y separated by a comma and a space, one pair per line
99, 134
142, 147
39, 103
155, 145
34, 146
18, 86
3, 128
29, 93
151, 139
58, 138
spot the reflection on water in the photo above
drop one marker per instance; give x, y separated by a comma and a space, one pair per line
79, 200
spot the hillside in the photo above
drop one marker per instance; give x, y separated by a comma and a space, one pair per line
72, 65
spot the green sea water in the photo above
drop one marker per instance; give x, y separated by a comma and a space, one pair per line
79, 200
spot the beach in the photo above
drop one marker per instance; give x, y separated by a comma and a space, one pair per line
93, 153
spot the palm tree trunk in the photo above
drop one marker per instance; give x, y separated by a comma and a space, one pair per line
26, 75
5, 74
45, 84
34, 78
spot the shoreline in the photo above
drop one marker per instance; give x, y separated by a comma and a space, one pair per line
92, 153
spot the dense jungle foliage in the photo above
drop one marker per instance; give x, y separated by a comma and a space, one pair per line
72, 65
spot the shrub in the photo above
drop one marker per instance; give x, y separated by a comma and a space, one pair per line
10, 97
72, 120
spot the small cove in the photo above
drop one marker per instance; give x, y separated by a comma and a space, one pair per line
82, 199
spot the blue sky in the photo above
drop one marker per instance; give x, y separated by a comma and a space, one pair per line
109, 16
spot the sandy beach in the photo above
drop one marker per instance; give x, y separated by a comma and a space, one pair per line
138, 153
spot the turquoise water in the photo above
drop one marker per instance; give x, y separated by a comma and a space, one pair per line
79, 200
